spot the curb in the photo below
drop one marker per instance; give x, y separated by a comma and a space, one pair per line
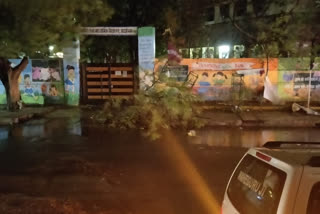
24, 117
253, 108
236, 123
262, 123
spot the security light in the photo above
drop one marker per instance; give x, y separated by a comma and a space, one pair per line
224, 48
224, 51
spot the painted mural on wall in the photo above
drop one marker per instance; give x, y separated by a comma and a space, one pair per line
14, 62
3, 99
46, 71
175, 72
213, 85
71, 83
71, 74
295, 78
40, 83
215, 79
289, 76
217, 82
47, 75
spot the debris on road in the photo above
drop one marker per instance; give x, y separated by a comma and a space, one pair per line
296, 107
192, 133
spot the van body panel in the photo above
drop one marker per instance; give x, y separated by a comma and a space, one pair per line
289, 192
309, 178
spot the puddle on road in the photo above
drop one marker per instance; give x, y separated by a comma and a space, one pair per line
62, 129
250, 137
42, 128
39, 131
4, 133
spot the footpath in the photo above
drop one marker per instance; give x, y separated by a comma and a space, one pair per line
260, 116
256, 118
215, 116
25, 114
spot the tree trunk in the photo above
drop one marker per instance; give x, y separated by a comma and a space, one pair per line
10, 79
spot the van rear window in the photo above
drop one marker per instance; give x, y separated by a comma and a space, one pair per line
256, 187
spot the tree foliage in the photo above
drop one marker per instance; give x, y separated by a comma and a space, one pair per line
275, 27
165, 105
31, 26
138, 13
187, 19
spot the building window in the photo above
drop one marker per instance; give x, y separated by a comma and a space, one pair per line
240, 8
224, 11
238, 51
208, 52
224, 51
259, 6
195, 53
209, 14
185, 52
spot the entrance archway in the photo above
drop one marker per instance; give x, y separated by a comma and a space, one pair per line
103, 81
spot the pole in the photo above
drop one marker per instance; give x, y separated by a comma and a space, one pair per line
309, 91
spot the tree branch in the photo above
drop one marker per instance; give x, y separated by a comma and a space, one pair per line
19, 68
250, 36
234, 23
294, 6
4, 68
243, 31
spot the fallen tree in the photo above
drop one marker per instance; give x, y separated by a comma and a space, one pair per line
165, 105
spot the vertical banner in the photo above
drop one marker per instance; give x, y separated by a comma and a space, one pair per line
146, 50
71, 57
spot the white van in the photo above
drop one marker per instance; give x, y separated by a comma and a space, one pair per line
279, 178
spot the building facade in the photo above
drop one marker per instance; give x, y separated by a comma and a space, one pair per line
225, 23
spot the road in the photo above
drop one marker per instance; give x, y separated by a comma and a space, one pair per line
80, 167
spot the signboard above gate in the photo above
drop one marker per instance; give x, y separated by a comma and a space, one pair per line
110, 31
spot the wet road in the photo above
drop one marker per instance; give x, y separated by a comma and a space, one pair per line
108, 171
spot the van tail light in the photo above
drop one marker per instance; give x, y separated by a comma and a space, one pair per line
263, 156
